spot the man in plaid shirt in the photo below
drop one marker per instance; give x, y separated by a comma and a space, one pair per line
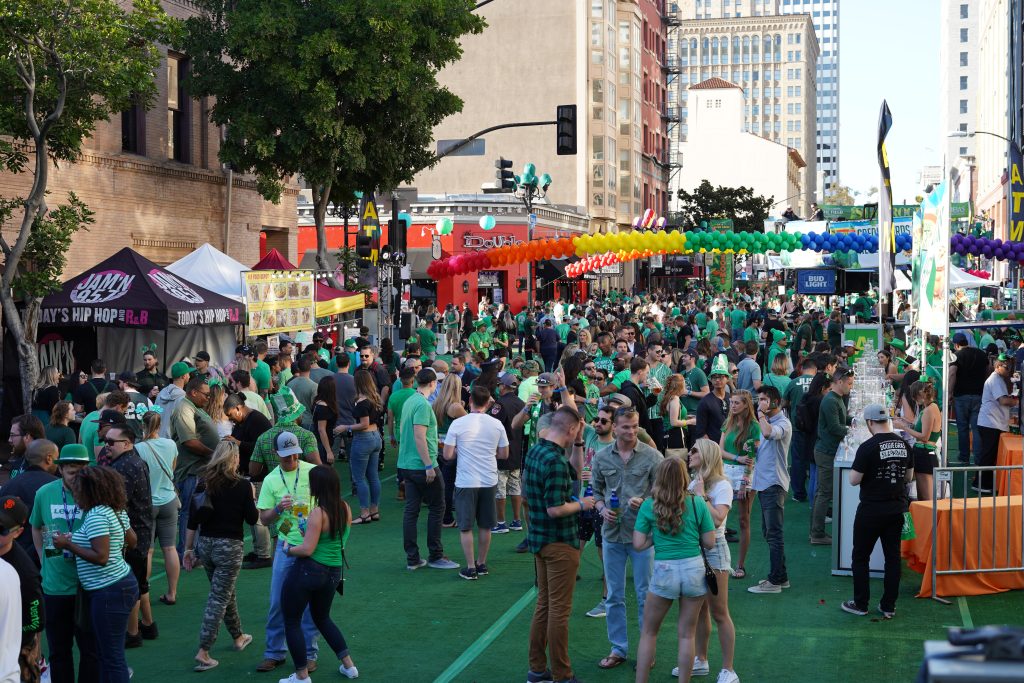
552, 538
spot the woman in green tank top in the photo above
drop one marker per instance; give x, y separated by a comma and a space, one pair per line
313, 579
927, 429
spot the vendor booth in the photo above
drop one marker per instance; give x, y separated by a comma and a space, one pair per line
126, 304
329, 301
211, 268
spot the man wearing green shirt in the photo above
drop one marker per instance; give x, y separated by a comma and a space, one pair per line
427, 339
752, 332
407, 377
196, 436
261, 372
417, 465
605, 359
55, 511
451, 328
780, 340
738, 321
480, 341
833, 424
285, 500
697, 386
834, 330
657, 376
562, 329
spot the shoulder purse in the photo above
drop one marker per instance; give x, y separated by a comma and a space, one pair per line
710, 578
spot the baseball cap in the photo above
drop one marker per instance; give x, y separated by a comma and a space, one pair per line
181, 369
960, 338
849, 343
128, 378
13, 512
623, 400
113, 418
318, 336
876, 412
546, 379
286, 445
509, 380
531, 366
898, 344
203, 356
73, 453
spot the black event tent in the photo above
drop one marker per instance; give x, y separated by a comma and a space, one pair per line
128, 290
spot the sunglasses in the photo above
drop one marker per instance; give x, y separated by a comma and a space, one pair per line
601, 420
111, 442
363, 357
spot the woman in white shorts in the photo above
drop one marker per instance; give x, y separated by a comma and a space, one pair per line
711, 484
676, 523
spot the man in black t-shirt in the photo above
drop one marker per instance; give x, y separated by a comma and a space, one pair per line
882, 469
85, 395
967, 380
14, 519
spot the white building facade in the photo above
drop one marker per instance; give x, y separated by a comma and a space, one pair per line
730, 156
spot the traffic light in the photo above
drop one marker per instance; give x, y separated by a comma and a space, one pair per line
565, 140
504, 178
364, 249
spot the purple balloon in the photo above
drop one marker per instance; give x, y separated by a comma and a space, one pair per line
987, 251
997, 242
999, 254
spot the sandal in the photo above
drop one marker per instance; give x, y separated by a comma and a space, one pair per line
164, 599
739, 573
246, 639
375, 517
611, 661
361, 519
450, 525
205, 666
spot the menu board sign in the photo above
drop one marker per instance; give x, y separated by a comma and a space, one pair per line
278, 300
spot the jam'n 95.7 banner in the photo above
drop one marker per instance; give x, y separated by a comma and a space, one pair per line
278, 300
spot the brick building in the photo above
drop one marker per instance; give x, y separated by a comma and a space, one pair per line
155, 184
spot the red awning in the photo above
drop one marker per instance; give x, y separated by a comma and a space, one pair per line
275, 260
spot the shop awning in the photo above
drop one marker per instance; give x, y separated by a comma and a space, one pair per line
553, 269
329, 301
418, 260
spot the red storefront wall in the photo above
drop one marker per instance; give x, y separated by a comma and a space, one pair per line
466, 238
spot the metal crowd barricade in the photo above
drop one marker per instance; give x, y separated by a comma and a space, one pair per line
956, 560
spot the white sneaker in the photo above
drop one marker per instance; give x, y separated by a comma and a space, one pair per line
726, 676
700, 667
442, 563
597, 611
675, 671
349, 672
295, 679
765, 586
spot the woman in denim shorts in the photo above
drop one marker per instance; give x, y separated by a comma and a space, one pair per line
676, 523
711, 484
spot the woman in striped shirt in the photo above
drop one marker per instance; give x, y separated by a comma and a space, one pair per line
98, 548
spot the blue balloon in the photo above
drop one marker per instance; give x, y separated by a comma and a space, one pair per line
805, 240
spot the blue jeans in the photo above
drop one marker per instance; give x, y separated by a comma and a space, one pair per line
61, 635
615, 556
798, 466
275, 617
773, 505
109, 608
309, 590
363, 456
967, 409
186, 490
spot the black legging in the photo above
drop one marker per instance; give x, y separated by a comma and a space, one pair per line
989, 453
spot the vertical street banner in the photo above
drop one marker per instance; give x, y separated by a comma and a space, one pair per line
720, 275
1016, 194
886, 233
930, 262
369, 224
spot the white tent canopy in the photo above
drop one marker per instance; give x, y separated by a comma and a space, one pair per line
213, 269
958, 279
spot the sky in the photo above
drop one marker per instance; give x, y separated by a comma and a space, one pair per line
889, 50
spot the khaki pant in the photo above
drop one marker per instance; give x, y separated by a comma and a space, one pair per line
556, 565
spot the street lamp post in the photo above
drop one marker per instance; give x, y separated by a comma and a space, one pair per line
529, 188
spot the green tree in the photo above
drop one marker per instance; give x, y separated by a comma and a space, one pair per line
67, 65
840, 195
747, 210
341, 92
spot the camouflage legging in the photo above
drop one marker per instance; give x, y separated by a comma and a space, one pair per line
222, 559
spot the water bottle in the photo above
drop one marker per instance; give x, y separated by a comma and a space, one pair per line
588, 490
613, 503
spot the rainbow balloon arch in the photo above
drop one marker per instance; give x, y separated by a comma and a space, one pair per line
597, 251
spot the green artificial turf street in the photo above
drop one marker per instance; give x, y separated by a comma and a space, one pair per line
430, 625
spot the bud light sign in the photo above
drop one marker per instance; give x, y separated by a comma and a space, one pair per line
816, 281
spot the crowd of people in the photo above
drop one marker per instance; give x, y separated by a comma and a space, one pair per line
638, 422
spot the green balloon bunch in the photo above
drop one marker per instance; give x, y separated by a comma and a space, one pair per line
741, 242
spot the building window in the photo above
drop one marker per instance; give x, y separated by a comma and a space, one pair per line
963, 127
179, 110
963, 35
597, 148
963, 106
133, 129
963, 59
963, 11
963, 151
963, 82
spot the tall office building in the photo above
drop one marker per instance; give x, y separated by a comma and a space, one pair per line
825, 17
958, 73
770, 56
992, 104
607, 56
